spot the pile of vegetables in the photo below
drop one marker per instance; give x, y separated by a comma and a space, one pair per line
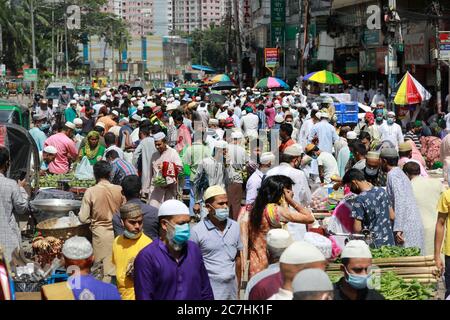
394, 252
393, 287
159, 181
51, 181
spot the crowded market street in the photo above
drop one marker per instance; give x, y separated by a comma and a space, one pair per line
224, 185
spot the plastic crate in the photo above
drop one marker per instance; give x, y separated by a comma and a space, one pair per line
350, 106
350, 117
339, 107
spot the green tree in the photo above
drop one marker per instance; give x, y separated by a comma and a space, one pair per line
209, 46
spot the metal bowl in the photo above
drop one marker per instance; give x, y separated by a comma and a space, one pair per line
56, 205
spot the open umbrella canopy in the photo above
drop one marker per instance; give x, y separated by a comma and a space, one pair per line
220, 77
410, 91
202, 68
214, 97
324, 76
271, 83
223, 85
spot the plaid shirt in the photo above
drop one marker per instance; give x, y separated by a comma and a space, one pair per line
121, 169
13, 199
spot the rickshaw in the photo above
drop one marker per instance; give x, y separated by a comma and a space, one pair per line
23, 153
14, 113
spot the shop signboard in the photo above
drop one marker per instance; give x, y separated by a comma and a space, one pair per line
351, 67
271, 57
278, 21
30, 74
371, 37
416, 49
444, 45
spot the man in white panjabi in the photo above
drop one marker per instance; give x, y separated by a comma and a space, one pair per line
166, 163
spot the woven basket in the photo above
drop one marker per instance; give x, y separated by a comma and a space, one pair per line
46, 229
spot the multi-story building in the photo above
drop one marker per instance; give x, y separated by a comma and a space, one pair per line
189, 15
144, 16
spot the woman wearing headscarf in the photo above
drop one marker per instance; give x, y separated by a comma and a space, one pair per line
93, 150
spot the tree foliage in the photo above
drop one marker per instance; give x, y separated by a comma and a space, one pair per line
15, 19
209, 47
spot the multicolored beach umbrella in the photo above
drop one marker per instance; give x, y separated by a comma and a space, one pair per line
271, 83
410, 91
324, 76
219, 77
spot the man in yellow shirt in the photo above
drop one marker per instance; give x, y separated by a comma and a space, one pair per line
127, 246
443, 234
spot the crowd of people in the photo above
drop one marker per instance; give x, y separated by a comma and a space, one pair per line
195, 197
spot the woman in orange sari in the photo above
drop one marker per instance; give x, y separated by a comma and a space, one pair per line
273, 208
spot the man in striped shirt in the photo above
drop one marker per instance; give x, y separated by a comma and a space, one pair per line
415, 128
120, 167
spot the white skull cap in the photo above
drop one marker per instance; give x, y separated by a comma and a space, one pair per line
312, 280
172, 208
356, 249
279, 238
77, 248
301, 252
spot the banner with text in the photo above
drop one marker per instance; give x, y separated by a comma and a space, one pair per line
277, 21
271, 57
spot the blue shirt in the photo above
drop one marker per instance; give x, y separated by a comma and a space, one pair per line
372, 209
219, 250
327, 135
89, 288
158, 276
39, 137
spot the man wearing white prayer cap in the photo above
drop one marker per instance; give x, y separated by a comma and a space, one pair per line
277, 241
299, 256
312, 284
239, 158
223, 262
254, 182
78, 260
213, 170
173, 258
356, 263
48, 156
166, 165
67, 150
70, 113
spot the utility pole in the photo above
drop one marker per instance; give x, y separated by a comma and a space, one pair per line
436, 10
238, 41
53, 42
33, 45
392, 24
305, 36
67, 48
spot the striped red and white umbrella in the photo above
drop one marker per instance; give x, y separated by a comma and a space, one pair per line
410, 91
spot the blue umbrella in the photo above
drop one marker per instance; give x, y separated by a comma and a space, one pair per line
203, 68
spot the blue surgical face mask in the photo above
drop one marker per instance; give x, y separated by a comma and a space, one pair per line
78, 131
180, 234
44, 126
390, 121
221, 214
131, 235
357, 281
